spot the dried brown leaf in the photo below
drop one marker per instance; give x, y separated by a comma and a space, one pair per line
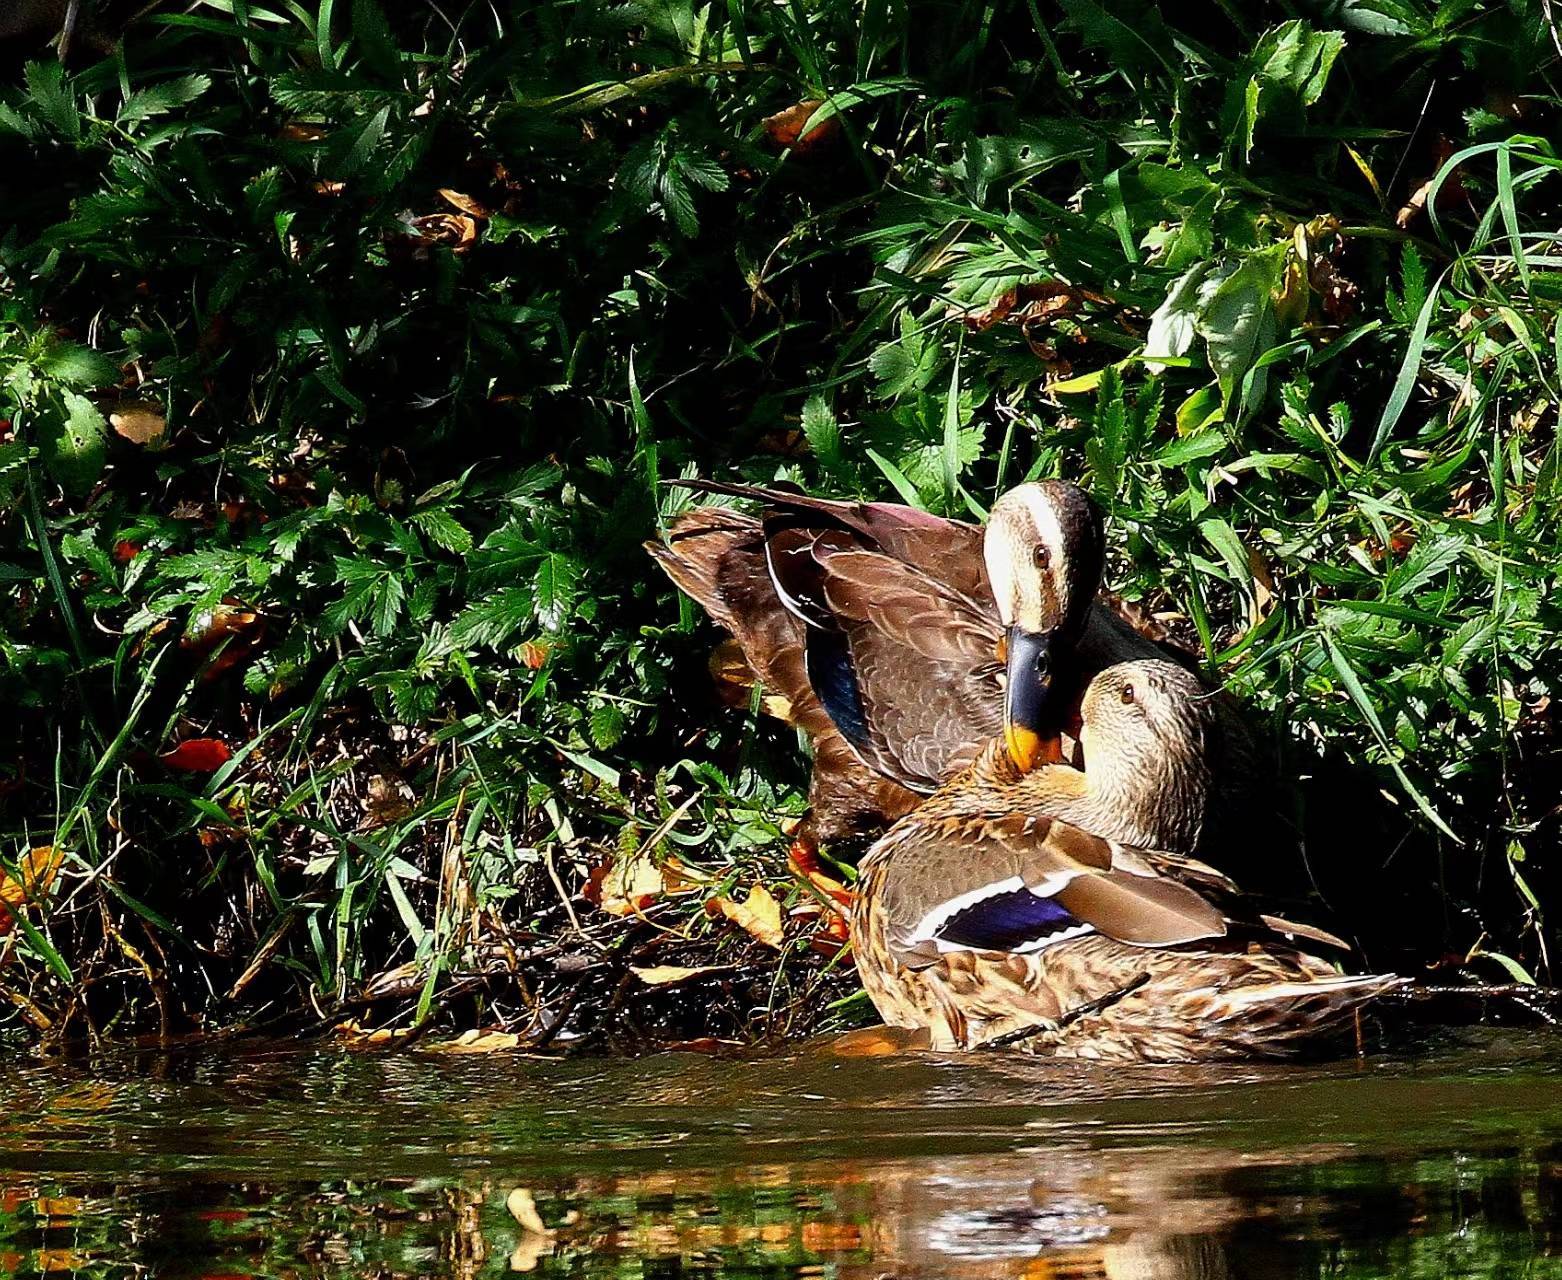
142, 424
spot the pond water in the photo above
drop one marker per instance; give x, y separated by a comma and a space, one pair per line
321, 1162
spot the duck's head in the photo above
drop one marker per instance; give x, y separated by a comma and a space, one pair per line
1044, 547
1150, 734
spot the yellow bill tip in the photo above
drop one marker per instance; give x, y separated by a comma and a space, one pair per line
1028, 749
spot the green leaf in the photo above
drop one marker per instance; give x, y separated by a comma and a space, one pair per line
494, 619
388, 598
1409, 367
554, 585
1174, 324
47, 91
607, 726
443, 530
1364, 704
375, 41
1223, 538
366, 143
74, 449
678, 201
1238, 324
78, 366
823, 432
159, 99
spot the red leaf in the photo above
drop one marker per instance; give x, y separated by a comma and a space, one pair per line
198, 755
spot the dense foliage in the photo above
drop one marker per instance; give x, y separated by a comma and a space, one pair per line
343, 349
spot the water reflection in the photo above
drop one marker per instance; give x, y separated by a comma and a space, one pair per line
317, 1165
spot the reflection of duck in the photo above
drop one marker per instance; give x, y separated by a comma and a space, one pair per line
1013, 906
882, 628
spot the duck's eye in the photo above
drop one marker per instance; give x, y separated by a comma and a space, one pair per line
1042, 556
1128, 694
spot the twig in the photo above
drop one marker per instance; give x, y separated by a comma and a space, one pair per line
1067, 1019
1532, 999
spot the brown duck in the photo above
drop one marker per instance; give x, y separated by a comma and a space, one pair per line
902, 642
1030, 908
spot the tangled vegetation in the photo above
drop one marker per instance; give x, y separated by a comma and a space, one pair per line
344, 349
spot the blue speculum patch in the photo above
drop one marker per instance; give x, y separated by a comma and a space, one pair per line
1007, 921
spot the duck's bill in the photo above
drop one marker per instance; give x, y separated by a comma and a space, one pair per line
1029, 726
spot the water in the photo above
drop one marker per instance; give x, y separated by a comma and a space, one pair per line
285, 1163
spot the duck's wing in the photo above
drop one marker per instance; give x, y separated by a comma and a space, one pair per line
1021, 884
717, 557
906, 665
949, 551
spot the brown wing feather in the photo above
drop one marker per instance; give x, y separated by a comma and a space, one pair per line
717, 557
922, 864
948, 550
1144, 911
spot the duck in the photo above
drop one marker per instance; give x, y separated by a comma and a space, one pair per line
901, 642
1048, 909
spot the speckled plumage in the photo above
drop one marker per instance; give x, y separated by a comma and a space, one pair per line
1217, 982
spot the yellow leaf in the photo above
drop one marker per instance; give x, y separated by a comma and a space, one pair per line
758, 915
667, 975
475, 1041
34, 874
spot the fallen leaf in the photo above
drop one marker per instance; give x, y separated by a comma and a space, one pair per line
475, 1041
198, 755
624, 886
35, 873
353, 1033
465, 203
735, 681
139, 423
803, 859
389, 800
668, 975
1030, 304
455, 230
701, 1044
784, 128
878, 1042
210, 627
758, 915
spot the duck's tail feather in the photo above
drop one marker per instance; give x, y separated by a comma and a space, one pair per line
1279, 1018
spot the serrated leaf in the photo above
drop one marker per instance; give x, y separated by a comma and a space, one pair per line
388, 599
78, 366
74, 450
607, 726
678, 200
1467, 641
443, 530
1428, 560
494, 619
49, 94
703, 171
823, 431
159, 99
553, 585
